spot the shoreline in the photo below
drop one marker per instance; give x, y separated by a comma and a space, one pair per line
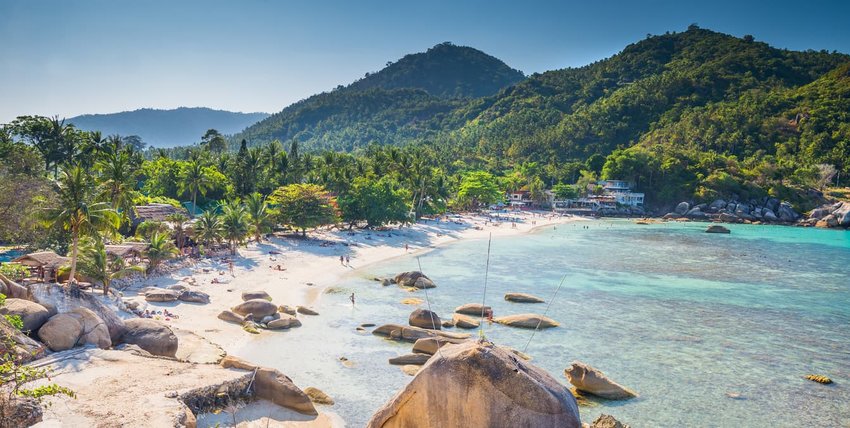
311, 266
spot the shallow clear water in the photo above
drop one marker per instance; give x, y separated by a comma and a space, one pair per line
680, 316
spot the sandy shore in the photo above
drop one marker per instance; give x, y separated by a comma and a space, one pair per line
311, 265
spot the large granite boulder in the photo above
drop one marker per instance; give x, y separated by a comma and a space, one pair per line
768, 215
65, 300
465, 321
589, 380
284, 321
523, 298
425, 319
32, 314
274, 386
786, 212
430, 345
60, 332
416, 359
19, 344
682, 208
717, 205
412, 334
414, 279
527, 321
152, 336
20, 411
230, 316
476, 384
194, 296
475, 309
94, 330
12, 289
161, 295
842, 214
252, 295
259, 307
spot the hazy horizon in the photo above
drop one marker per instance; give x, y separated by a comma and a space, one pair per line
100, 57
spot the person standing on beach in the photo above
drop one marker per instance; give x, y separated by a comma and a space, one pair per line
405, 247
348, 260
341, 260
352, 299
230, 264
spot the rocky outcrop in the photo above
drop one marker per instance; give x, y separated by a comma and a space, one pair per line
62, 300
20, 345
589, 380
716, 228
152, 336
286, 309
412, 334
413, 279
252, 295
274, 386
258, 307
12, 289
32, 314
527, 321
831, 215
161, 295
764, 209
475, 309
81, 326
60, 332
194, 297
425, 319
523, 298
19, 412
465, 321
682, 208
505, 391
430, 345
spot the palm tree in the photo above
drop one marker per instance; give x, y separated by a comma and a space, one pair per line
208, 228
160, 249
178, 225
194, 179
235, 224
117, 173
258, 214
98, 265
77, 211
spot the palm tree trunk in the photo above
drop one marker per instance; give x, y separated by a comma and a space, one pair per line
75, 243
194, 202
106, 286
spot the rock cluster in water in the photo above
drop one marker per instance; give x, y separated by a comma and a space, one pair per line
766, 209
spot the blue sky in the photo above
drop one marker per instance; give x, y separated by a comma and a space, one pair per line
98, 56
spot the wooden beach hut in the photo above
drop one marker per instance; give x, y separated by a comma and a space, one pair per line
44, 265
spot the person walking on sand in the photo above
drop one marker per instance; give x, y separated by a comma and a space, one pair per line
352, 299
348, 260
341, 260
406, 247
230, 264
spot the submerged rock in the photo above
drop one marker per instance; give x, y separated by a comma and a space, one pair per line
425, 319
410, 359
523, 298
412, 334
527, 321
607, 421
819, 379
716, 228
505, 391
592, 381
305, 310
414, 279
317, 396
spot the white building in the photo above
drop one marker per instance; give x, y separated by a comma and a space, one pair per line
622, 193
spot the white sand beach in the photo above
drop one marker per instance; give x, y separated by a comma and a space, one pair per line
311, 265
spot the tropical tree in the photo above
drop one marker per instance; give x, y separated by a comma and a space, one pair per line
77, 211
235, 224
377, 202
98, 265
304, 206
207, 228
478, 187
214, 141
178, 226
118, 169
194, 179
159, 250
258, 214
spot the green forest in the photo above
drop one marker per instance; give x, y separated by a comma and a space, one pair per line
692, 116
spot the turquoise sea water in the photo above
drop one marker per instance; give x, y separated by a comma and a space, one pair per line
680, 316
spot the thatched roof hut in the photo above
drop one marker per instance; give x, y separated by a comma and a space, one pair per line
44, 259
126, 251
155, 212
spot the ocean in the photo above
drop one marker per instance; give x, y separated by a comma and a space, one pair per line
711, 330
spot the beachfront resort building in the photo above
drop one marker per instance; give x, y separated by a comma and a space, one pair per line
621, 191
